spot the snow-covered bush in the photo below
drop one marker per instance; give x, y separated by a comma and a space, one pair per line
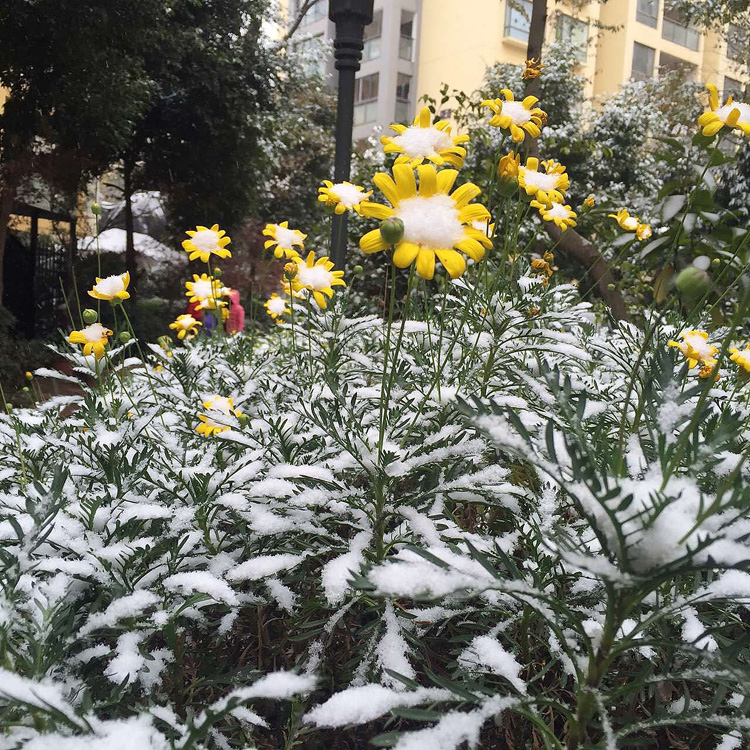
478, 517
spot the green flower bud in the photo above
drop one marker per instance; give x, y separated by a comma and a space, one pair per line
217, 273
124, 337
96, 209
392, 230
692, 282
611, 287
8, 407
716, 261
90, 316
25, 389
28, 375
358, 269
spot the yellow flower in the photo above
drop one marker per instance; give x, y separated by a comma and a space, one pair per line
220, 408
343, 196
708, 371
590, 202
643, 232
741, 357
112, 288
94, 338
562, 216
276, 307
435, 220
204, 287
317, 277
185, 325
205, 242
532, 69
541, 266
509, 166
695, 348
625, 220
284, 240
547, 187
519, 118
734, 115
423, 140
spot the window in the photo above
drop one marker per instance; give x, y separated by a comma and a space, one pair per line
675, 29
316, 12
732, 87
643, 62
737, 44
373, 32
366, 98
671, 63
406, 40
518, 19
647, 12
403, 91
575, 33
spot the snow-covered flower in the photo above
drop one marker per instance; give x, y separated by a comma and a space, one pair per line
94, 339
532, 69
318, 278
695, 348
185, 326
112, 288
276, 307
643, 231
204, 242
219, 408
425, 140
734, 115
520, 118
741, 357
284, 241
625, 220
343, 196
562, 216
546, 186
204, 287
435, 220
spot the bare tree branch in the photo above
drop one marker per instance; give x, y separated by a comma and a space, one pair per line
301, 13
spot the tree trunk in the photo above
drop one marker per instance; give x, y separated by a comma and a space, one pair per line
7, 196
570, 242
127, 178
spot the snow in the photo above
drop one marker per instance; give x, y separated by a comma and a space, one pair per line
131, 605
419, 142
393, 651
34, 693
287, 238
149, 251
337, 572
432, 222
485, 651
199, 581
349, 195
262, 566
206, 240
135, 733
315, 277
516, 111
539, 180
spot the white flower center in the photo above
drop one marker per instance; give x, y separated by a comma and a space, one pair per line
431, 222
220, 404
316, 277
724, 112
286, 237
94, 332
630, 224
202, 289
206, 240
419, 143
110, 286
276, 305
539, 180
558, 211
699, 345
517, 112
187, 321
349, 195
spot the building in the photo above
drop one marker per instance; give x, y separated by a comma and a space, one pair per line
414, 46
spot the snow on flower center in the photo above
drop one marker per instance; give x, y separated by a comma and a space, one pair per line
110, 286
206, 240
558, 211
349, 195
630, 224
431, 222
94, 332
277, 305
202, 289
540, 180
221, 404
286, 237
517, 112
316, 277
699, 345
419, 143
187, 321
723, 112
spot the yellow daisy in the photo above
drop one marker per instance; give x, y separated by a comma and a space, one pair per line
112, 288
219, 408
625, 220
741, 357
423, 140
186, 326
643, 232
204, 287
532, 69
435, 220
343, 196
520, 118
546, 186
317, 277
94, 338
284, 241
695, 348
562, 216
276, 307
734, 115
205, 242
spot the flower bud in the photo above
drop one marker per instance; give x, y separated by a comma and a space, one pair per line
96, 209
507, 172
28, 375
290, 271
25, 389
392, 230
90, 316
357, 269
124, 337
217, 272
611, 287
8, 406
692, 282
590, 202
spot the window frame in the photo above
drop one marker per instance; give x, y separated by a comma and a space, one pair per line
644, 17
638, 74
513, 14
573, 23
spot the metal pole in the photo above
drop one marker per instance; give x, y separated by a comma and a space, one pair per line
350, 17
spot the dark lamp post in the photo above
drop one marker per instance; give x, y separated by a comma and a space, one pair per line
350, 17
